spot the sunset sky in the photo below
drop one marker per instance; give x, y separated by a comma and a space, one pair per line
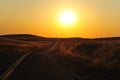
93, 18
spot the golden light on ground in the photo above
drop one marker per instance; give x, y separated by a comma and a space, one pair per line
67, 18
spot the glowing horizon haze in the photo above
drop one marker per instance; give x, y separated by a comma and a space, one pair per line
95, 18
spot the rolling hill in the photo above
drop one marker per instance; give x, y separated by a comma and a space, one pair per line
30, 57
24, 37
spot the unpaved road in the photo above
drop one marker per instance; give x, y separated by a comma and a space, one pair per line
9, 71
40, 66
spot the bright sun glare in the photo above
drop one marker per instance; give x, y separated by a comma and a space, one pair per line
67, 17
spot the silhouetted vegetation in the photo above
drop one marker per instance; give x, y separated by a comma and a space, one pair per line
86, 48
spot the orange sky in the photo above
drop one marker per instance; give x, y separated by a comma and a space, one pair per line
96, 18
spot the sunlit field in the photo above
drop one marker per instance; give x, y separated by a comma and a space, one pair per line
74, 58
59, 39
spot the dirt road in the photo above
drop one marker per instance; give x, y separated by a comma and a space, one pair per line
37, 65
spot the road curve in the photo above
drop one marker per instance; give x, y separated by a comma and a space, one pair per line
8, 72
37, 65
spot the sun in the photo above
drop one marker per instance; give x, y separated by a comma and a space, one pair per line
67, 17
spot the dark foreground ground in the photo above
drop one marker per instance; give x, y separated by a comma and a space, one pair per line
29, 57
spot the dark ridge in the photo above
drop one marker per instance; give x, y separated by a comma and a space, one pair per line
108, 38
24, 37
30, 37
21, 35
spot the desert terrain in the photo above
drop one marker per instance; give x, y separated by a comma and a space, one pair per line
31, 57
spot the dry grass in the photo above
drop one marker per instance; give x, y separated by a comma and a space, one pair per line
93, 59
97, 59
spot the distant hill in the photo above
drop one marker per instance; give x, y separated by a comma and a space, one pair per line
108, 38
30, 37
59, 58
24, 37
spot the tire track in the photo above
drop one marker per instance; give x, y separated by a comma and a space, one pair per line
59, 43
7, 73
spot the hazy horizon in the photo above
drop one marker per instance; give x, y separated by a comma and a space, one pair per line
95, 18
